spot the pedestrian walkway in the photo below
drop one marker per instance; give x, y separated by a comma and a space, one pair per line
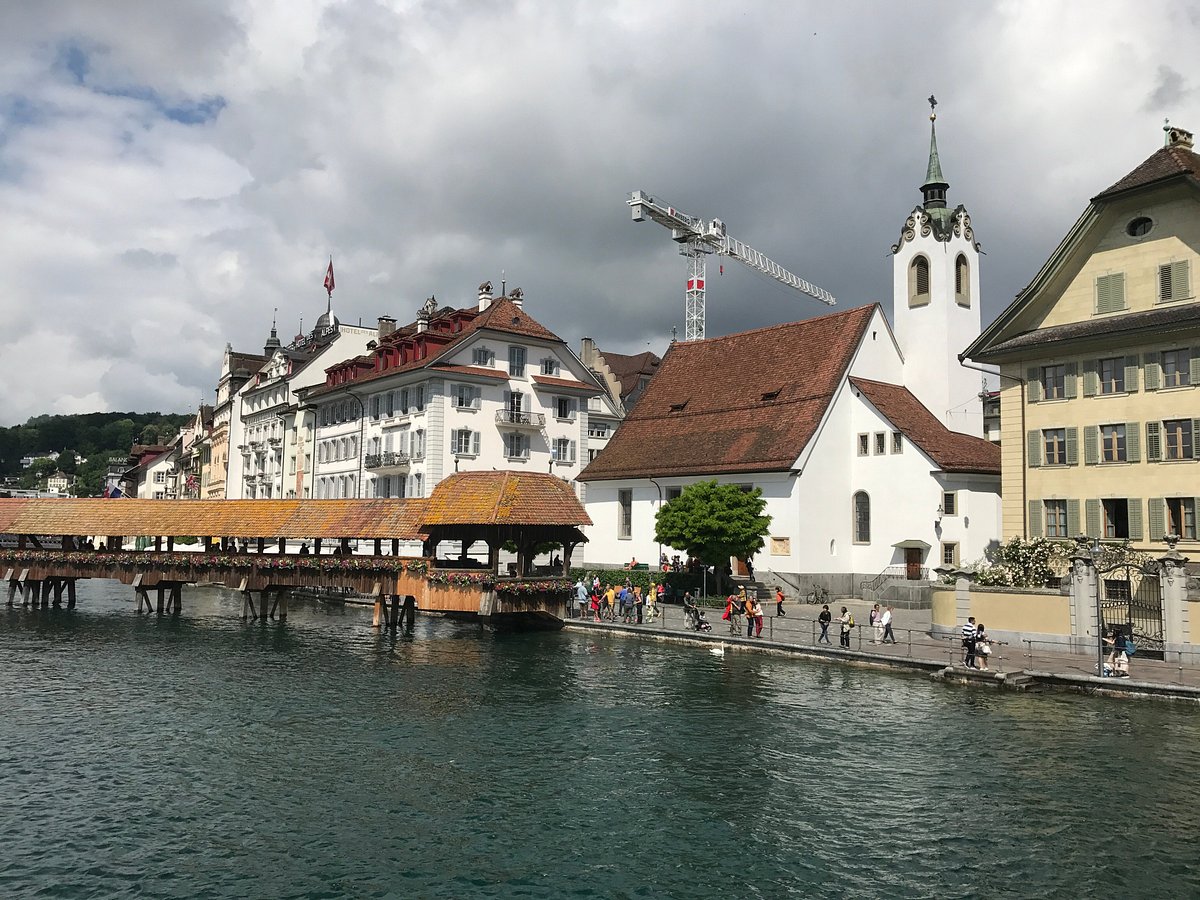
916, 647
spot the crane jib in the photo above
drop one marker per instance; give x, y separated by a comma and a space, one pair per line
698, 239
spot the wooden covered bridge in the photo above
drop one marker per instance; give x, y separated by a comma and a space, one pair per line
272, 547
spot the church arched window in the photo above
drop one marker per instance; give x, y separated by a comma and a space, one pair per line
962, 281
862, 518
918, 282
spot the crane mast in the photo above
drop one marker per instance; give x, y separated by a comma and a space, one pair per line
697, 239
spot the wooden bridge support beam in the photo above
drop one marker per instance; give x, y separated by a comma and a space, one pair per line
380, 612
394, 618
60, 585
70, 593
176, 598
248, 609
12, 590
410, 611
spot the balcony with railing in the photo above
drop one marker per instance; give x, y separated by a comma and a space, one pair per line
388, 462
516, 418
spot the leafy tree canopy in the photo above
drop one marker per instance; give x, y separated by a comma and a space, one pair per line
713, 522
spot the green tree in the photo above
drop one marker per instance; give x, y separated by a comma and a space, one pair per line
67, 462
713, 522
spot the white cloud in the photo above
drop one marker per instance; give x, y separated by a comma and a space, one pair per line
429, 145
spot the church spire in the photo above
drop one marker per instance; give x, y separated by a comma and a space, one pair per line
272, 343
934, 188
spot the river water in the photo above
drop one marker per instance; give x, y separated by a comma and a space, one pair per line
203, 757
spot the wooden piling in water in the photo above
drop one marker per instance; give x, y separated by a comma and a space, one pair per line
394, 618
70, 593
283, 599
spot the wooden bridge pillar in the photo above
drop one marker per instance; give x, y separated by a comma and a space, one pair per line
410, 611
70, 593
248, 610
170, 545
177, 598
158, 543
282, 601
262, 545
162, 598
12, 588
316, 547
283, 545
60, 585
394, 618
395, 546
377, 618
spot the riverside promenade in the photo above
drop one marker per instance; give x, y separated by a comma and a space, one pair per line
1029, 665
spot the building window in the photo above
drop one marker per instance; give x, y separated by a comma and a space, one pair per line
419, 397
563, 450
516, 362
1054, 382
1112, 443
483, 356
880, 443
1173, 281
897, 442
564, 407
1181, 517
962, 281
625, 514
465, 442
674, 493
918, 282
1116, 519
375, 407
864, 445
1139, 227
1110, 293
160, 477
1177, 436
597, 429
467, 396
550, 366
1175, 368
949, 503
949, 554
1112, 375
1056, 518
1054, 442
516, 445
862, 518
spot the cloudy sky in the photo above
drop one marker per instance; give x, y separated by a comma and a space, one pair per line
172, 173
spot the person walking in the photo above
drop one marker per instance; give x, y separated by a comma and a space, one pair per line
876, 624
847, 622
639, 602
596, 604
824, 619
968, 641
779, 601
886, 619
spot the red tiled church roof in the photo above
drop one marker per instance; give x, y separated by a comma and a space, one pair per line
1169, 162
950, 450
747, 402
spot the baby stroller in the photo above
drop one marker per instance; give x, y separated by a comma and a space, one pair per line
694, 619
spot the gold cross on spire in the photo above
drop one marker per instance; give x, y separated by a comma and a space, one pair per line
932, 108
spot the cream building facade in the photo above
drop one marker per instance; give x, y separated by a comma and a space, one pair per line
1100, 367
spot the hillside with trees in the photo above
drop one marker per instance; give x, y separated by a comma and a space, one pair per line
95, 437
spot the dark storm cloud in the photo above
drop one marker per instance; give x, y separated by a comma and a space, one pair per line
431, 146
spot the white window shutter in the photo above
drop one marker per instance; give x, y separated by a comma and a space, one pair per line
475, 442
571, 447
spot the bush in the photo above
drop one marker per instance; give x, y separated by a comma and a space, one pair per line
1026, 564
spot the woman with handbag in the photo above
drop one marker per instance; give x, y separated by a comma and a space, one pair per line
983, 648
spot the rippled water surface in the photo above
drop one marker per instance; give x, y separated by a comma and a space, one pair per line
201, 757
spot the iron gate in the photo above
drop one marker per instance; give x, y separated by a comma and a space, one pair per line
1131, 602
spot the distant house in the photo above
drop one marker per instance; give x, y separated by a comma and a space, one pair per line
625, 378
60, 483
152, 472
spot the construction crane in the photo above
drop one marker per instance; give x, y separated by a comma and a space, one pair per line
700, 239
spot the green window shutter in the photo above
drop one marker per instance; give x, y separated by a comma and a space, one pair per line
1073, 527
1196, 443
1135, 519
1091, 444
1194, 366
1164, 283
1180, 286
1153, 441
1153, 366
1158, 518
1091, 377
1035, 518
1095, 525
1070, 387
1033, 383
1072, 446
1110, 292
1034, 448
1131, 374
1133, 442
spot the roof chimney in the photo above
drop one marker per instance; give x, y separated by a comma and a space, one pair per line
386, 326
1178, 137
517, 296
485, 295
425, 313
587, 350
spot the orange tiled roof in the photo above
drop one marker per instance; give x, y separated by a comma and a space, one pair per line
467, 498
504, 498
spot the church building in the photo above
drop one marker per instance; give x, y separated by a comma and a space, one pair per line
864, 436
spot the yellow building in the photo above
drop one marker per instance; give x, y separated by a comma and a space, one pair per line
1100, 367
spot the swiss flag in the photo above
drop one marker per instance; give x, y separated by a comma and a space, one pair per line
329, 277
695, 284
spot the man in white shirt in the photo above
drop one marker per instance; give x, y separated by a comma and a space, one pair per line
886, 620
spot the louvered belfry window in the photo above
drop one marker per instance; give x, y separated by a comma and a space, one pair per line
918, 282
